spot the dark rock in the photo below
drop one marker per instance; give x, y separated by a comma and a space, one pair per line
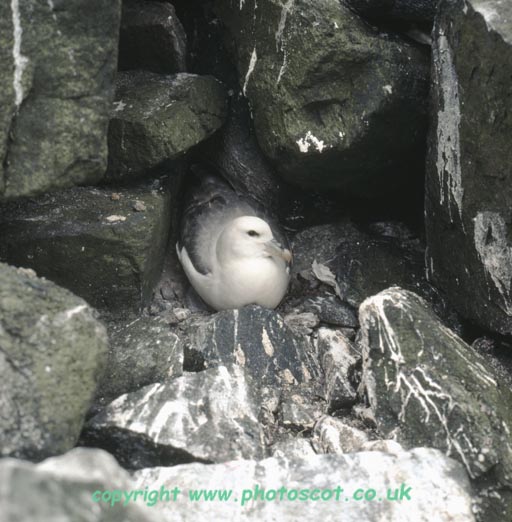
338, 357
235, 153
427, 387
469, 189
208, 416
152, 38
336, 104
158, 117
358, 262
52, 354
143, 351
58, 61
409, 10
424, 470
331, 310
332, 435
100, 249
255, 338
64, 488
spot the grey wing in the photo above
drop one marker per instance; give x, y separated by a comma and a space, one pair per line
209, 207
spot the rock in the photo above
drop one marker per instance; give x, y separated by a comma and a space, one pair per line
292, 448
338, 358
427, 387
302, 323
255, 338
468, 189
300, 407
208, 416
387, 254
408, 10
100, 249
336, 104
235, 153
152, 38
331, 310
52, 354
142, 352
65, 488
332, 435
157, 117
439, 489
58, 65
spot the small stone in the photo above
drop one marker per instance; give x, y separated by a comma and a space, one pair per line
139, 206
115, 218
115, 196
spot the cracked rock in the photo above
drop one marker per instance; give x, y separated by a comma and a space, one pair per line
208, 416
426, 387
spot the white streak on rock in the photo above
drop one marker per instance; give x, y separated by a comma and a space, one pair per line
20, 61
496, 254
73, 311
308, 140
415, 383
388, 89
267, 343
448, 121
252, 65
280, 42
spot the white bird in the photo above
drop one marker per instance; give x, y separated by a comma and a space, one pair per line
233, 255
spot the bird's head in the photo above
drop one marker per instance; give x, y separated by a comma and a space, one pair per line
250, 236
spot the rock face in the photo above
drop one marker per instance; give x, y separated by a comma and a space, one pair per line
73, 479
336, 104
255, 338
92, 241
269, 489
469, 189
142, 351
52, 354
58, 63
409, 10
158, 117
426, 387
152, 38
209, 416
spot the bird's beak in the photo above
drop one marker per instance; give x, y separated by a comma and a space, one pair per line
276, 250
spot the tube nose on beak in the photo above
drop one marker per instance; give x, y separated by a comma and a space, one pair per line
275, 249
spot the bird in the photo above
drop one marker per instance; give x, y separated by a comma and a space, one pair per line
231, 250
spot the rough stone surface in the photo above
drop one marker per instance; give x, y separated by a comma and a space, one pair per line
142, 351
158, 117
92, 241
338, 358
426, 387
439, 488
469, 188
409, 10
255, 338
330, 310
235, 153
58, 61
332, 435
152, 38
61, 489
52, 353
208, 416
292, 448
336, 103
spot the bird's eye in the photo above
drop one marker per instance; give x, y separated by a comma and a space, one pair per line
253, 233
